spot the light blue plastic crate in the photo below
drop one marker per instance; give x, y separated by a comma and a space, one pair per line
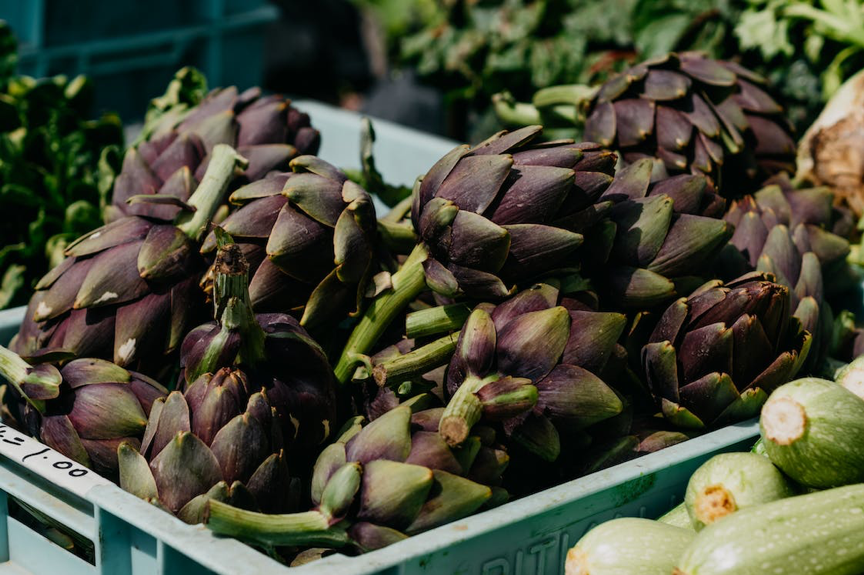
131, 537
528, 536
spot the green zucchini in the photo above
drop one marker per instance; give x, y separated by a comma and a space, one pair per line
851, 376
678, 517
819, 533
628, 546
729, 482
814, 432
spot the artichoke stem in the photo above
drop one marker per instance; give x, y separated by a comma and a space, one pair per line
515, 113
309, 528
398, 238
463, 411
415, 363
408, 282
35, 384
435, 320
12, 367
211, 191
233, 306
398, 212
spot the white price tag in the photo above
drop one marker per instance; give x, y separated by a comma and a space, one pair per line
44, 461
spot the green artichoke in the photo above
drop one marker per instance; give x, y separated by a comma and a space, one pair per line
310, 236
535, 362
715, 356
128, 290
694, 115
83, 410
377, 484
179, 143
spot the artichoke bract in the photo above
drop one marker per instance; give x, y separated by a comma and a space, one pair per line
310, 237
490, 216
84, 410
694, 115
660, 238
179, 144
715, 356
535, 363
377, 484
128, 291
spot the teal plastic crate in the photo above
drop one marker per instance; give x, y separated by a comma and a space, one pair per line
131, 49
131, 537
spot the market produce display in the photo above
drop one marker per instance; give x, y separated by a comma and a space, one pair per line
793, 506
536, 310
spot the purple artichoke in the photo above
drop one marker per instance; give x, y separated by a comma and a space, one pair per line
266, 130
83, 410
715, 356
378, 483
694, 115
128, 290
536, 363
310, 237
659, 240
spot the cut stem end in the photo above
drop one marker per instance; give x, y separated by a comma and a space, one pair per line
784, 421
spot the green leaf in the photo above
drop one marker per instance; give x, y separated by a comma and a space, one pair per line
762, 30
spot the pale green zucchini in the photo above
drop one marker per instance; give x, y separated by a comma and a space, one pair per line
851, 376
819, 533
628, 546
677, 517
729, 482
813, 430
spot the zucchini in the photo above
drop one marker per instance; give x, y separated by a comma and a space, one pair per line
732, 481
814, 432
819, 533
851, 376
759, 448
678, 517
628, 546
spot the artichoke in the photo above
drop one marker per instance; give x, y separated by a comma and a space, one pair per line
272, 352
377, 484
179, 144
503, 211
536, 363
218, 440
310, 236
489, 217
715, 356
694, 115
788, 233
659, 240
128, 290
257, 389
83, 410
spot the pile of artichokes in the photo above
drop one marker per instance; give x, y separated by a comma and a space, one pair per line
549, 309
